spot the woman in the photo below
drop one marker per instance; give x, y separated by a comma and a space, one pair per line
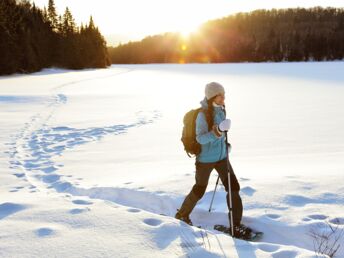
211, 123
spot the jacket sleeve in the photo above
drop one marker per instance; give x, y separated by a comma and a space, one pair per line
203, 136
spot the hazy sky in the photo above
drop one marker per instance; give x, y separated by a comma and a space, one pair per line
124, 20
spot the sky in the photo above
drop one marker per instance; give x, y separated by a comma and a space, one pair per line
124, 20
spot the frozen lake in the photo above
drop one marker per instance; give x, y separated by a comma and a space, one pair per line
84, 137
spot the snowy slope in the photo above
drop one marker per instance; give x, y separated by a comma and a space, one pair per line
90, 159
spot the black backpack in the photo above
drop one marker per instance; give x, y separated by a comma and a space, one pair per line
191, 146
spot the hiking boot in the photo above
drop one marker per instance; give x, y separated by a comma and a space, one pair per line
186, 219
187, 207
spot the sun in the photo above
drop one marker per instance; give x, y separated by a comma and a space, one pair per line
187, 31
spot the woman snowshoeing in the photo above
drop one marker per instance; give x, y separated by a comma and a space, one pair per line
211, 123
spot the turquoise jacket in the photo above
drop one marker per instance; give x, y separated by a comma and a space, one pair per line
213, 147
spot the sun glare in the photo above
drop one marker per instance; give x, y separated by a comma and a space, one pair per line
187, 30
185, 34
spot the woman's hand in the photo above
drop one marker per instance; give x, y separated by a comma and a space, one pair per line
216, 131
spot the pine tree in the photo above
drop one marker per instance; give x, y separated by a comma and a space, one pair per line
30, 41
45, 15
91, 23
68, 24
59, 24
52, 15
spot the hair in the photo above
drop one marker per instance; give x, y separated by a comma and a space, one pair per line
209, 113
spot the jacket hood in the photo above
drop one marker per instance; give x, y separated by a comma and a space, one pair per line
204, 103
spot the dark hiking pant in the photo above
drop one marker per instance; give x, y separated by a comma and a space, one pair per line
203, 171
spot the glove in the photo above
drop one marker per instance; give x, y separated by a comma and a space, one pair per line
224, 125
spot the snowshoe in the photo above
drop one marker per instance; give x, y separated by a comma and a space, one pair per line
240, 232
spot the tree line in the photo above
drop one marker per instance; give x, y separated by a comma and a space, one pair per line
32, 39
292, 34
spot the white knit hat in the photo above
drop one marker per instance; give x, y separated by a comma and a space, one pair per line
212, 89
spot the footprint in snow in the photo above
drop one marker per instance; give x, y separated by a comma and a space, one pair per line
273, 216
82, 202
134, 210
19, 175
159, 192
43, 232
8, 208
317, 216
248, 190
268, 248
152, 222
337, 221
285, 254
78, 211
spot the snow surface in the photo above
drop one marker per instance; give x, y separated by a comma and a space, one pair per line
90, 159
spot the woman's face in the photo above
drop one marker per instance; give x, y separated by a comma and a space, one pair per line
220, 99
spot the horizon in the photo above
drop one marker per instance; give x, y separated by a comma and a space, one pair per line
115, 33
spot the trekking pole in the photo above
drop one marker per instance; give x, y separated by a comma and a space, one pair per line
217, 182
212, 199
229, 189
